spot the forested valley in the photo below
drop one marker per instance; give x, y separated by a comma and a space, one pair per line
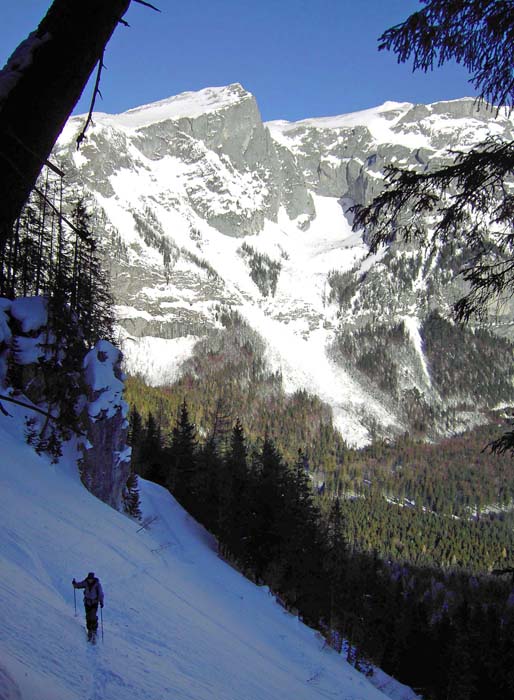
396, 553
393, 552
446, 503
385, 581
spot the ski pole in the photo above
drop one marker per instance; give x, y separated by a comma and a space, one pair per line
75, 600
102, 620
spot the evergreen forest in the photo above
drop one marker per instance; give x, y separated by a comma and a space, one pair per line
54, 253
384, 583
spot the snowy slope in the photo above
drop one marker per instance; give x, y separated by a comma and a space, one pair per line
178, 622
379, 120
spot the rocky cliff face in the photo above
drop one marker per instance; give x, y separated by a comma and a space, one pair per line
61, 399
105, 462
205, 207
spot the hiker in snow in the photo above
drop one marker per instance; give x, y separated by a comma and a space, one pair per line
93, 596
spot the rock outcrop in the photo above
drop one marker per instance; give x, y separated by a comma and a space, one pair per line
105, 462
92, 393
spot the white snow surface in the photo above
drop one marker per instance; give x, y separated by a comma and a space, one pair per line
185, 105
379, 120
293, 323
298, 346
178, 622
157, 359
386, 126
30, 350
31, 312
99, 366
413, 328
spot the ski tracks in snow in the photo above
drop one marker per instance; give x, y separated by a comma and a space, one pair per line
105, 683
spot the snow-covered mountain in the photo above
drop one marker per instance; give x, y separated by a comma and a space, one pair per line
178, 622
206, 207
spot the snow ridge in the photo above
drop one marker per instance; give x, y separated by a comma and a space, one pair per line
187, 105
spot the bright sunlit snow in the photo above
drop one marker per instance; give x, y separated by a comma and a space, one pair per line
296, 324
186, 105
178, 622
157, 359
379, 120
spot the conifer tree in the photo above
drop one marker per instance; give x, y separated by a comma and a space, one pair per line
151, 458
335, 572
301, 546
135, 438
182, 458
132, 500
206, 486
267, 507
234, 495
89, 287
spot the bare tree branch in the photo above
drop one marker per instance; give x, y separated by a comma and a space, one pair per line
96, 93
147, 4
26, 405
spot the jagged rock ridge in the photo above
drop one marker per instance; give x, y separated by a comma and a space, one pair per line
205, 207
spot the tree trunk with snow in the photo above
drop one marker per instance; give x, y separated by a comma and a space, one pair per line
39, 87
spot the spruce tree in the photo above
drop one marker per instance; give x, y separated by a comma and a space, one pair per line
135, 438
235, 496
205, 485
301, 549
182, 458
267, 508
150, 453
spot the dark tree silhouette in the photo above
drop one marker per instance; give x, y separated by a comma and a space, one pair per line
39, 87
473, 196
182, 458
476, 33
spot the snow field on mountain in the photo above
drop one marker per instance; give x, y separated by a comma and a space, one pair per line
412, 326
296, 324
157, 359
179, 623
391, 123
292, 323
379, 120
187, 105
203, 160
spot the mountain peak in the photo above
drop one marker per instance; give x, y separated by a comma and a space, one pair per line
186, 104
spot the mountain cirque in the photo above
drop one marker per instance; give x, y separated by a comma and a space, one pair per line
205, 207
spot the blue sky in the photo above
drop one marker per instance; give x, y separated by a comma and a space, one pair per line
299, 58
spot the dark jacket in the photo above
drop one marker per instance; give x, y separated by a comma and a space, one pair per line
93, 593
